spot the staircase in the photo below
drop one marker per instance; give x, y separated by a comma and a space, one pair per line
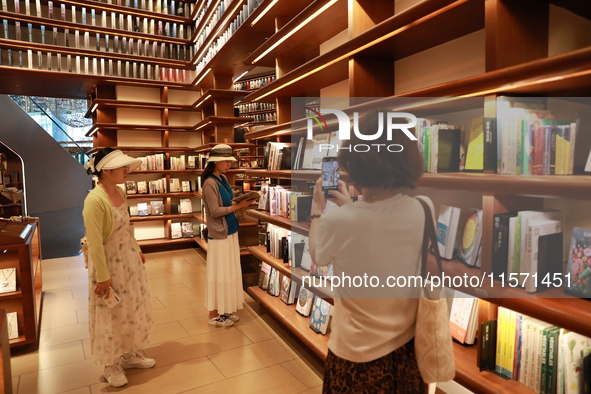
54, 182
63, 119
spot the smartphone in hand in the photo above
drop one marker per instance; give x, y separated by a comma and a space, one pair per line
330, 175
113, 298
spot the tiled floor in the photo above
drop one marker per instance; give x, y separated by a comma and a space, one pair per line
255, 356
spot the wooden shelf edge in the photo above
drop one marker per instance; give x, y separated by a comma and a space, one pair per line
297, 324
298, 227
295, 274
156, 195
164, 241
163, 217
469, 375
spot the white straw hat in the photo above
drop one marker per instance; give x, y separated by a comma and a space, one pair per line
221, 152
114, 160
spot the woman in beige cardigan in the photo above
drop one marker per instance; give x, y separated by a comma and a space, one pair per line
116, 263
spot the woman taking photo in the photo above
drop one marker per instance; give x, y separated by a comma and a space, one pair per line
117, 333
223, 294
371, 347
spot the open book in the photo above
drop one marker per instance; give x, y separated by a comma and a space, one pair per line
248, 196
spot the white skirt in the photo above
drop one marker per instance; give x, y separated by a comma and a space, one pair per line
224, 275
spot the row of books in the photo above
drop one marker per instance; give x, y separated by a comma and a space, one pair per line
255, 84
181, 230
441, 145
294, 250
541, 356
528, 242
156, 208
177, 8
267, 117
152, 162
216, 44
158, 186
50, 61
525, 138
98, 42
307, 304
254, 107
285, 202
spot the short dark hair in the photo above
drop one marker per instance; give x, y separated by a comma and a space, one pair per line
381, 169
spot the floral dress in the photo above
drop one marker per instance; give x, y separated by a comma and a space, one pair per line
127, 326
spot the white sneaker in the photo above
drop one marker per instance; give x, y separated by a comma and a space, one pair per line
137, 361
115, 376
231, 316
221, 321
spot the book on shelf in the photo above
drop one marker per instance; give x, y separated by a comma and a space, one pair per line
7, 280
288, 290
142, 209
487, 343
470, 244
186, 206
142, 187
536, 230
313, 152
176, 230
582, 143
500, 244
305, 302
187, 229
522, 249
12, 322
175, 185
320, 315
264, 276
186, 186
299, 207
447, 227
156, 207
463, 319
579, 264
274, 287
475, 149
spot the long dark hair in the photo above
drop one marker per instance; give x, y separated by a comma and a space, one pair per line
98, 156
208, 171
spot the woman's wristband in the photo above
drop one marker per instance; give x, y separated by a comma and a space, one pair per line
312, 217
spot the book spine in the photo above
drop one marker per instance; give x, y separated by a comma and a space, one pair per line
544, 362
490, 144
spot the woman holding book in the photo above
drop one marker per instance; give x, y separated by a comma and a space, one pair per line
115, 264
371, 346
223, 294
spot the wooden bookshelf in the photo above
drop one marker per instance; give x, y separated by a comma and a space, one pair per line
304, 42
298, 227
515, 43
299, 325
398, 34
24, 255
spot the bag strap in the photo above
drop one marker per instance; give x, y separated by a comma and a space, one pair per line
429, 235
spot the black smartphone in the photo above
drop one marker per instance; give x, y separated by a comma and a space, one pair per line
330, 175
